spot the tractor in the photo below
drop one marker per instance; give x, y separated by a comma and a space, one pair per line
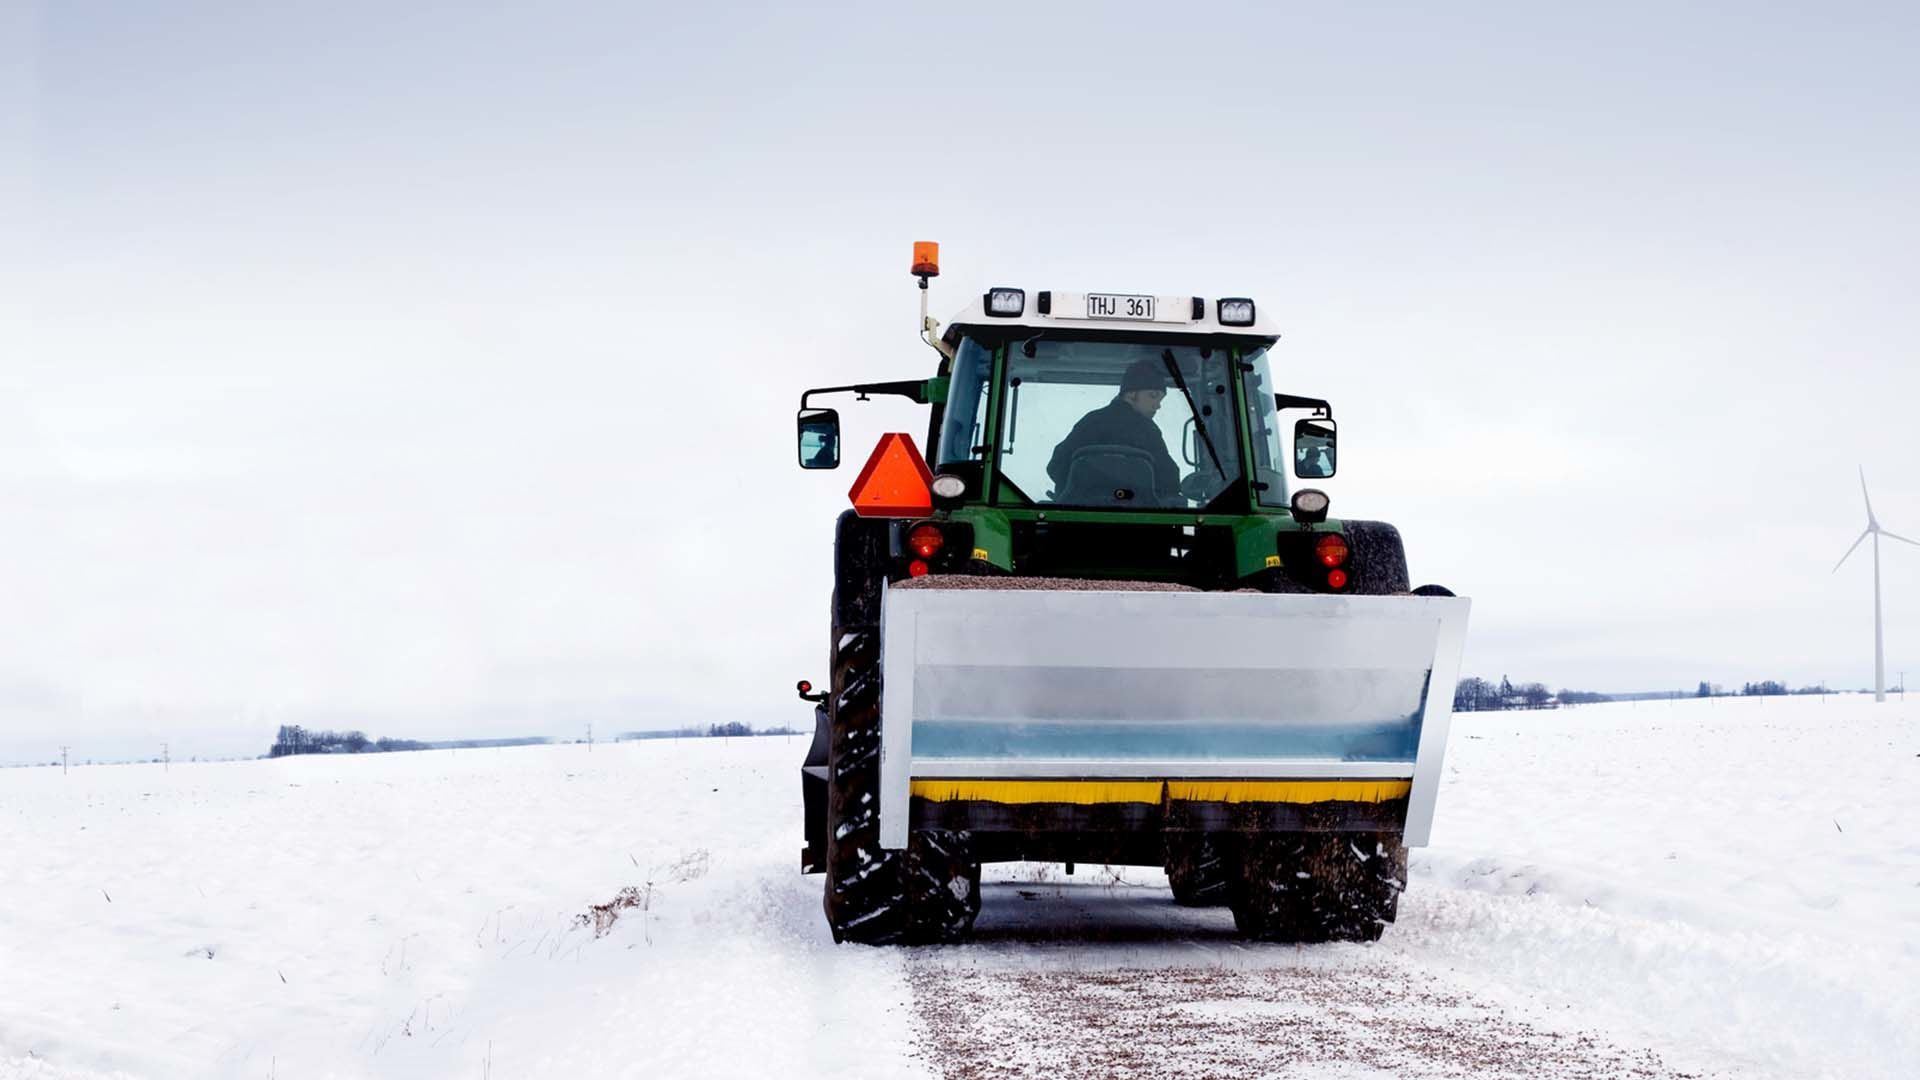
1096, 622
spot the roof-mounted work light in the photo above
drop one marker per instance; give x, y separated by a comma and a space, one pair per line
1235, 311
1006, 303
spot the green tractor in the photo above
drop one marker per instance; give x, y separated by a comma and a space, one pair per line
1100, 626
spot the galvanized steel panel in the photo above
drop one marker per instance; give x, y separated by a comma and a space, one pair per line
1064, 684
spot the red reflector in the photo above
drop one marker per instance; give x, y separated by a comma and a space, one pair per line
895, 482
925, 540
917, 568
806, 687
1332, 549
1336, 579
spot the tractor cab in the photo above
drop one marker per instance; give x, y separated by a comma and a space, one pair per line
1107, 435
1106, 419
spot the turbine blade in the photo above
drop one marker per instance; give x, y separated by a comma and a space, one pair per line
1897, 536
1863, 535
1867, 497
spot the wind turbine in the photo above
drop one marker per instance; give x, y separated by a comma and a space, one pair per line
1874, 530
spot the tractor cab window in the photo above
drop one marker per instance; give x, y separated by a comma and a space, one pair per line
963, 431
1270, 453
1117, 424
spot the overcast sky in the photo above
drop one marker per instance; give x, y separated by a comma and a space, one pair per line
431, 370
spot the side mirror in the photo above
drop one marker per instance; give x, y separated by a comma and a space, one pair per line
1313, 449
819, 439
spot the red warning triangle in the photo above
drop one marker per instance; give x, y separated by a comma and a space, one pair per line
895, 481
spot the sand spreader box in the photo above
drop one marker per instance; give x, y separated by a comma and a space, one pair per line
993, 695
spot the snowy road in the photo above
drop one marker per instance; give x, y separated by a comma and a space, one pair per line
1097, 980
1696, 889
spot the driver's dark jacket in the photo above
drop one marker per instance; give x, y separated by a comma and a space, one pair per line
1118, 424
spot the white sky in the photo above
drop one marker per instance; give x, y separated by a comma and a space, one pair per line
432, 371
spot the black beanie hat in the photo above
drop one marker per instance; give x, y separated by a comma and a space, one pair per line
1144, 375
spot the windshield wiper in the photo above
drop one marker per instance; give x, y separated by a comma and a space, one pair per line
1199, 425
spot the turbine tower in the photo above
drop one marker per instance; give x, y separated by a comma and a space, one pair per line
1874, 530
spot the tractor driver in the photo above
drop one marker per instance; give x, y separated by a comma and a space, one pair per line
1126, 421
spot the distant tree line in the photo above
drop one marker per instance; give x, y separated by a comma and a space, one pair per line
734, 728
1474, 694
728, 730
294, 739
1581, 697
1763, 688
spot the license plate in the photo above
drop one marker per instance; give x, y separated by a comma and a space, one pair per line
1119, 306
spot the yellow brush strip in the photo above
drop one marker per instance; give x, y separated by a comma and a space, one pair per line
1288, 791
1088, 792
1039, 791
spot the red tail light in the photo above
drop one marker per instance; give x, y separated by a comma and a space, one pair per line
926, 541
1332, 550
1336, 579
917, 568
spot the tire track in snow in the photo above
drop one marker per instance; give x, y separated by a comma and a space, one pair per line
1113, 980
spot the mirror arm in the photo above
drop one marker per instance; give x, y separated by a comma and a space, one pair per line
1290, 401
915, 390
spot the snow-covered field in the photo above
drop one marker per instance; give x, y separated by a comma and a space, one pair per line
1726, 888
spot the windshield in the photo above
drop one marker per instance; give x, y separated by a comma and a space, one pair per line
1269, 452
963, 430
1116, 424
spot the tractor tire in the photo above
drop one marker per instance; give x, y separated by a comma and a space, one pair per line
928, 894
943, 887
1264, 894
1314, 887
1432, 590
1377, 565
1197, 871
866, 897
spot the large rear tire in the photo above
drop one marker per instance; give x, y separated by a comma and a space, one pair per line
1377, 563
929, 893
1313, 887
866, 888
943, 887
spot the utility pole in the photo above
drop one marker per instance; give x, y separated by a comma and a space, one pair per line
166, 759
589, 738
63, 761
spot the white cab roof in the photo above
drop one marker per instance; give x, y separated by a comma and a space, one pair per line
1125, 312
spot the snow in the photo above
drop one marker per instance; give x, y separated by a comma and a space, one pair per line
421, 910
1724, 888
